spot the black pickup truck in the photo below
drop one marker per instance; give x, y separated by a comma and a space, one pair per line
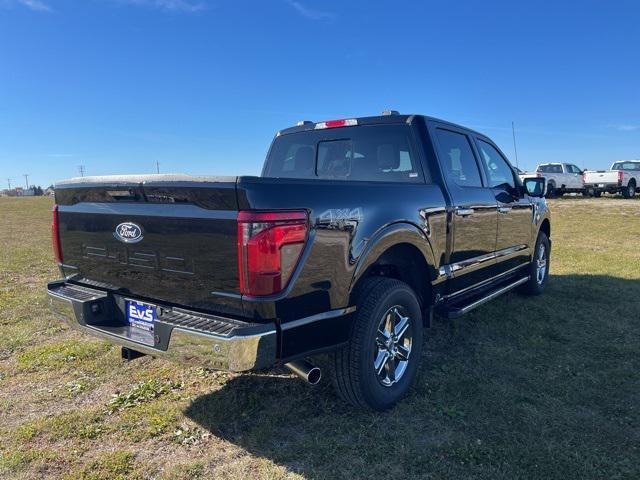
356, 233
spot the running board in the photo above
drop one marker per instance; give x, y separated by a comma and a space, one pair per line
455, 312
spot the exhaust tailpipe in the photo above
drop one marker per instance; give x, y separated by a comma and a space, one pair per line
309, 373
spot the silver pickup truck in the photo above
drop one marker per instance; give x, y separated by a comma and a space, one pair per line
561, 178
623, 177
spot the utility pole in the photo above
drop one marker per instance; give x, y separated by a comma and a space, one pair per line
515, 149
9, 182
26, 179
157, 166
81, 170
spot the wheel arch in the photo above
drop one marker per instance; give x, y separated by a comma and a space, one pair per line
400, 251
545, 227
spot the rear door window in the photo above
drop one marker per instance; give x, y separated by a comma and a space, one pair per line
457, 158
377, 153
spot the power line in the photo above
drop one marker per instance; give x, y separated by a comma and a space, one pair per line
515, 149
81, 170
26, 179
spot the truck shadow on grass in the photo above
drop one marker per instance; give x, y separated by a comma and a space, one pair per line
543, 387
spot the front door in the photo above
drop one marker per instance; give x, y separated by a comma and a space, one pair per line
474, 219
575, 175
515, 210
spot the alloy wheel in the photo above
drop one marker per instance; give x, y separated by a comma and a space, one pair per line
541, 263
394, 339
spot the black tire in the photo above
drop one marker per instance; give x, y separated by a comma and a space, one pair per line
630, 190
551, 190
536, 283
354, 376
597, 193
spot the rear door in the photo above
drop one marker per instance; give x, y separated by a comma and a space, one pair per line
515, 210
474, 217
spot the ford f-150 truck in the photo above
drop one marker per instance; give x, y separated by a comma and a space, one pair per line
623, 177
561, 178
356, 233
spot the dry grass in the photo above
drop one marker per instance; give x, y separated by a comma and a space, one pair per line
521, 388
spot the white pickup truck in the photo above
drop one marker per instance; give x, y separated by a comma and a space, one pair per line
623, 177
561, 178
522, 174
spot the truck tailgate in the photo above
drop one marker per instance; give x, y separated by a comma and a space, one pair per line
601, 176
159, 237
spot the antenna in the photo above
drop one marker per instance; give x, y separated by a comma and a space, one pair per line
515, 149
81, 170
157, 166
26, 179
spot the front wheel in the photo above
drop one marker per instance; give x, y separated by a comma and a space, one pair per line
551, 190
539, 267
378, 366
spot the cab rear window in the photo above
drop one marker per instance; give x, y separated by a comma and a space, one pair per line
374, 153
550, 168
626, 166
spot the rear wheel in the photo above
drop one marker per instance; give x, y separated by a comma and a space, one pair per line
376, 369
597, 193
539, 267
630, 190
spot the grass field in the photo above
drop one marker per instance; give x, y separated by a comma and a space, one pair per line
545, 387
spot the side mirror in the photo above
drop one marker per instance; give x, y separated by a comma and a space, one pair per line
535, 186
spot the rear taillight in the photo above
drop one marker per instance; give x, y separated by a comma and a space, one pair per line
55, 236
620, 177
269, 247
584, 177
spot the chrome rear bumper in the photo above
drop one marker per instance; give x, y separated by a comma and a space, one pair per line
178, 334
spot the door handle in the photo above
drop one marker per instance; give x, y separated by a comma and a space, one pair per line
504, 209
464, 212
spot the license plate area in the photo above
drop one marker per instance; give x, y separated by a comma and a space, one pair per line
141, 318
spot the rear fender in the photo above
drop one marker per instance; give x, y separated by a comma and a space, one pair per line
388, 237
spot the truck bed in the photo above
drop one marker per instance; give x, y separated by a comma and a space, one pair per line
189, 256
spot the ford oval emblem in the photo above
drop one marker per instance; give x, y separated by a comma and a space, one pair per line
128, 232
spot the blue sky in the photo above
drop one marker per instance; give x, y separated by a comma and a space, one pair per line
202, 85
